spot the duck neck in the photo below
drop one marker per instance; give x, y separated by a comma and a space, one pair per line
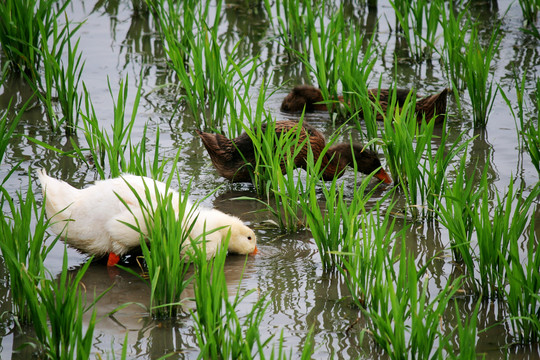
337, 158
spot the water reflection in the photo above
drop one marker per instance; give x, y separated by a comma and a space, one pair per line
146, 336
480, 159
288, 268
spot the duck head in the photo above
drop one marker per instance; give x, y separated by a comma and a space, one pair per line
243, 240
303, 95
367, 161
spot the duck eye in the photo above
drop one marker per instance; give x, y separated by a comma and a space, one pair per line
249, 237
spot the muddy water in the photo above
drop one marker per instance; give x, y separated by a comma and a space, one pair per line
118, 43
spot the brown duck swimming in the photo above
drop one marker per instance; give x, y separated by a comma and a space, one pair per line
230, 156
309, 96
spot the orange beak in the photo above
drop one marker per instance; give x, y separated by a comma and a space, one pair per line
383, 176
254, 251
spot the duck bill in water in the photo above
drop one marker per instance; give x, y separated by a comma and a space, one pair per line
383, 176
255, 252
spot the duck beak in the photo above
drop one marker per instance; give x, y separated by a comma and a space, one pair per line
383, 176
254, 251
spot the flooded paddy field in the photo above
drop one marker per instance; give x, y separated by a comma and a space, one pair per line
121, 44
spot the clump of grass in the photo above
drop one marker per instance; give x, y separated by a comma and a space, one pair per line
523, 289
24, 249
354, 76
478, 75
456, 25
495, 230
291, 16
528, 132
66, 335
453, 213
529, 9
197, 60
20, 34
275, 173
467, 333
168, 228
369, 250
404, 320
335, 226
419, 21
110, 149
61, 80
220, 333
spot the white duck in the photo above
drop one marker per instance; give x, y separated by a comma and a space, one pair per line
91, 219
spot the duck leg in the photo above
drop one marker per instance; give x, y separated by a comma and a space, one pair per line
113, 259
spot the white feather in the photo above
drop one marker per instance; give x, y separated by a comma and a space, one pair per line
92, 219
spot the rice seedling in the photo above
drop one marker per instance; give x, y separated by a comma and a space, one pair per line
419, 169
529, 9
455, 25
308, 349
67, 84
271, 150
520, 95
530, 132
20, 35
496, 229
478, 75
275, 173
168, 232
467, 333
139, 164
404, 320
405, 142
104, 148
219, 331
522, 291
435, 167
67, 335
334, 227
177, 22
60, 81
415, 18
368, 253
354, 75
327, 56
454, 216
291, 18
8, 128
24, 249
197, 60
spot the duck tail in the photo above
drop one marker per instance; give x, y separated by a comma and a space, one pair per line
433, 105
58, 194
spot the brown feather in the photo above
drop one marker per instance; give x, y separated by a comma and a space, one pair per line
307, 96
233, 157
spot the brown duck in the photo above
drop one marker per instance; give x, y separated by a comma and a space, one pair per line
309, 96
230, 156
